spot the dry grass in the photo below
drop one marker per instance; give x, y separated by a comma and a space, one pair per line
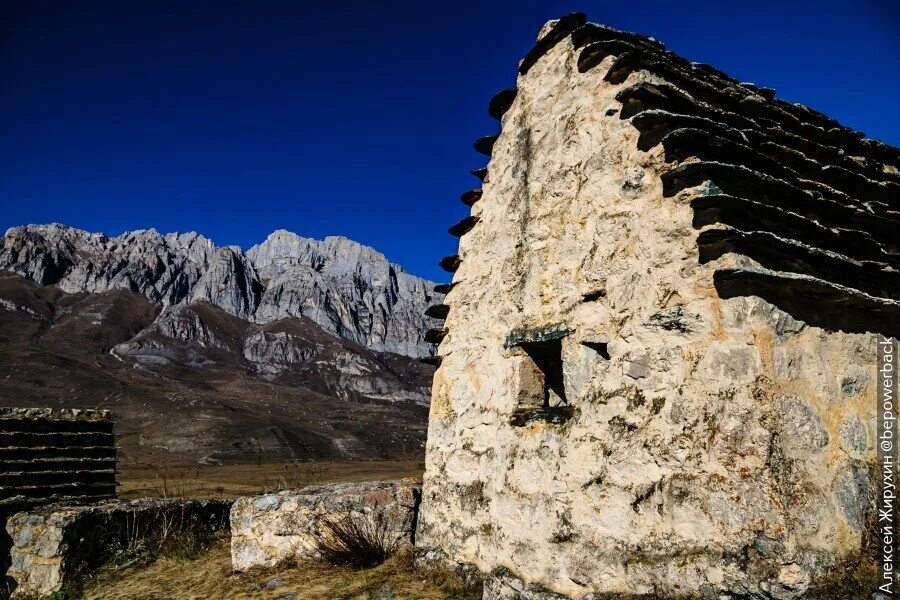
297, 475
144, 481
209, 576
169, 482
359, 541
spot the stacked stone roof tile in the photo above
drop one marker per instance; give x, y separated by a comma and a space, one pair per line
814, 203
50, 455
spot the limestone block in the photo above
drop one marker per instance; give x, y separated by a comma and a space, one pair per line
53, 546
269, 529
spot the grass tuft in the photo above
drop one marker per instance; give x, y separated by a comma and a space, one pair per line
359, 541
296, 475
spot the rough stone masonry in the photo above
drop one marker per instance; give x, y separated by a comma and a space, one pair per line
657, 365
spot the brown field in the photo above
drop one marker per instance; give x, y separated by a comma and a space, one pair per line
141, 481
209, 576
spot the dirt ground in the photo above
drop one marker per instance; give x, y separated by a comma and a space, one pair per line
140, 481
209, 576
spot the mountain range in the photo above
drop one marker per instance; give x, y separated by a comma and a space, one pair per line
294, 349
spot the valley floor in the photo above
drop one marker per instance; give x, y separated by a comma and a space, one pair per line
145, 480
209, 576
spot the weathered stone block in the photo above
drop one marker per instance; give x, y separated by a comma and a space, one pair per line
55, 545
268, 529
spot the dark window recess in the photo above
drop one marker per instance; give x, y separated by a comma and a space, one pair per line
547, 356
598, 347
542, 393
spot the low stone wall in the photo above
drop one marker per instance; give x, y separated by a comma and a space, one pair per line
268, 529
55, 545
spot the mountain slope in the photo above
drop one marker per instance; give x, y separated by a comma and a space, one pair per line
212, 354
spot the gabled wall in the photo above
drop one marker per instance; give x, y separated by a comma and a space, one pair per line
710, 440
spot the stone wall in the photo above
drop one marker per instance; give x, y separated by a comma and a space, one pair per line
54, 546
269, 529
657, 365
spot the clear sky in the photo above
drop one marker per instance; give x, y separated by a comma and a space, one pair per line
235, 118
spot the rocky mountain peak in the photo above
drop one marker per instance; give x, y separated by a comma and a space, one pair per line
281, 251
346, 288
230, 281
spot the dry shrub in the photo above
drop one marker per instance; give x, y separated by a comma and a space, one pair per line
296, 475
359, 541
7, 585
171, 482
130, 538
178, 532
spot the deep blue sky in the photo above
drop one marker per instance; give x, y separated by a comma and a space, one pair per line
235, 118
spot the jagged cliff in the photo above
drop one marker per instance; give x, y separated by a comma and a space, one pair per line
657, 368
346, 288
296, 349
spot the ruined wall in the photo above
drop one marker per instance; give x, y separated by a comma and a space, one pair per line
657, 367
52, 455
56, 547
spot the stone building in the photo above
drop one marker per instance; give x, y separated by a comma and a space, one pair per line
52, 455
658, 356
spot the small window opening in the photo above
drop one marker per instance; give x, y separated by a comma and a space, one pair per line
600, 348
542, 390
547, 357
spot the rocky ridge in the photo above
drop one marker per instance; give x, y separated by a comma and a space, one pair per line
346, 288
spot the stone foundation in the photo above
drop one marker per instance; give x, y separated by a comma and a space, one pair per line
54, 546
503, 585
269, 529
